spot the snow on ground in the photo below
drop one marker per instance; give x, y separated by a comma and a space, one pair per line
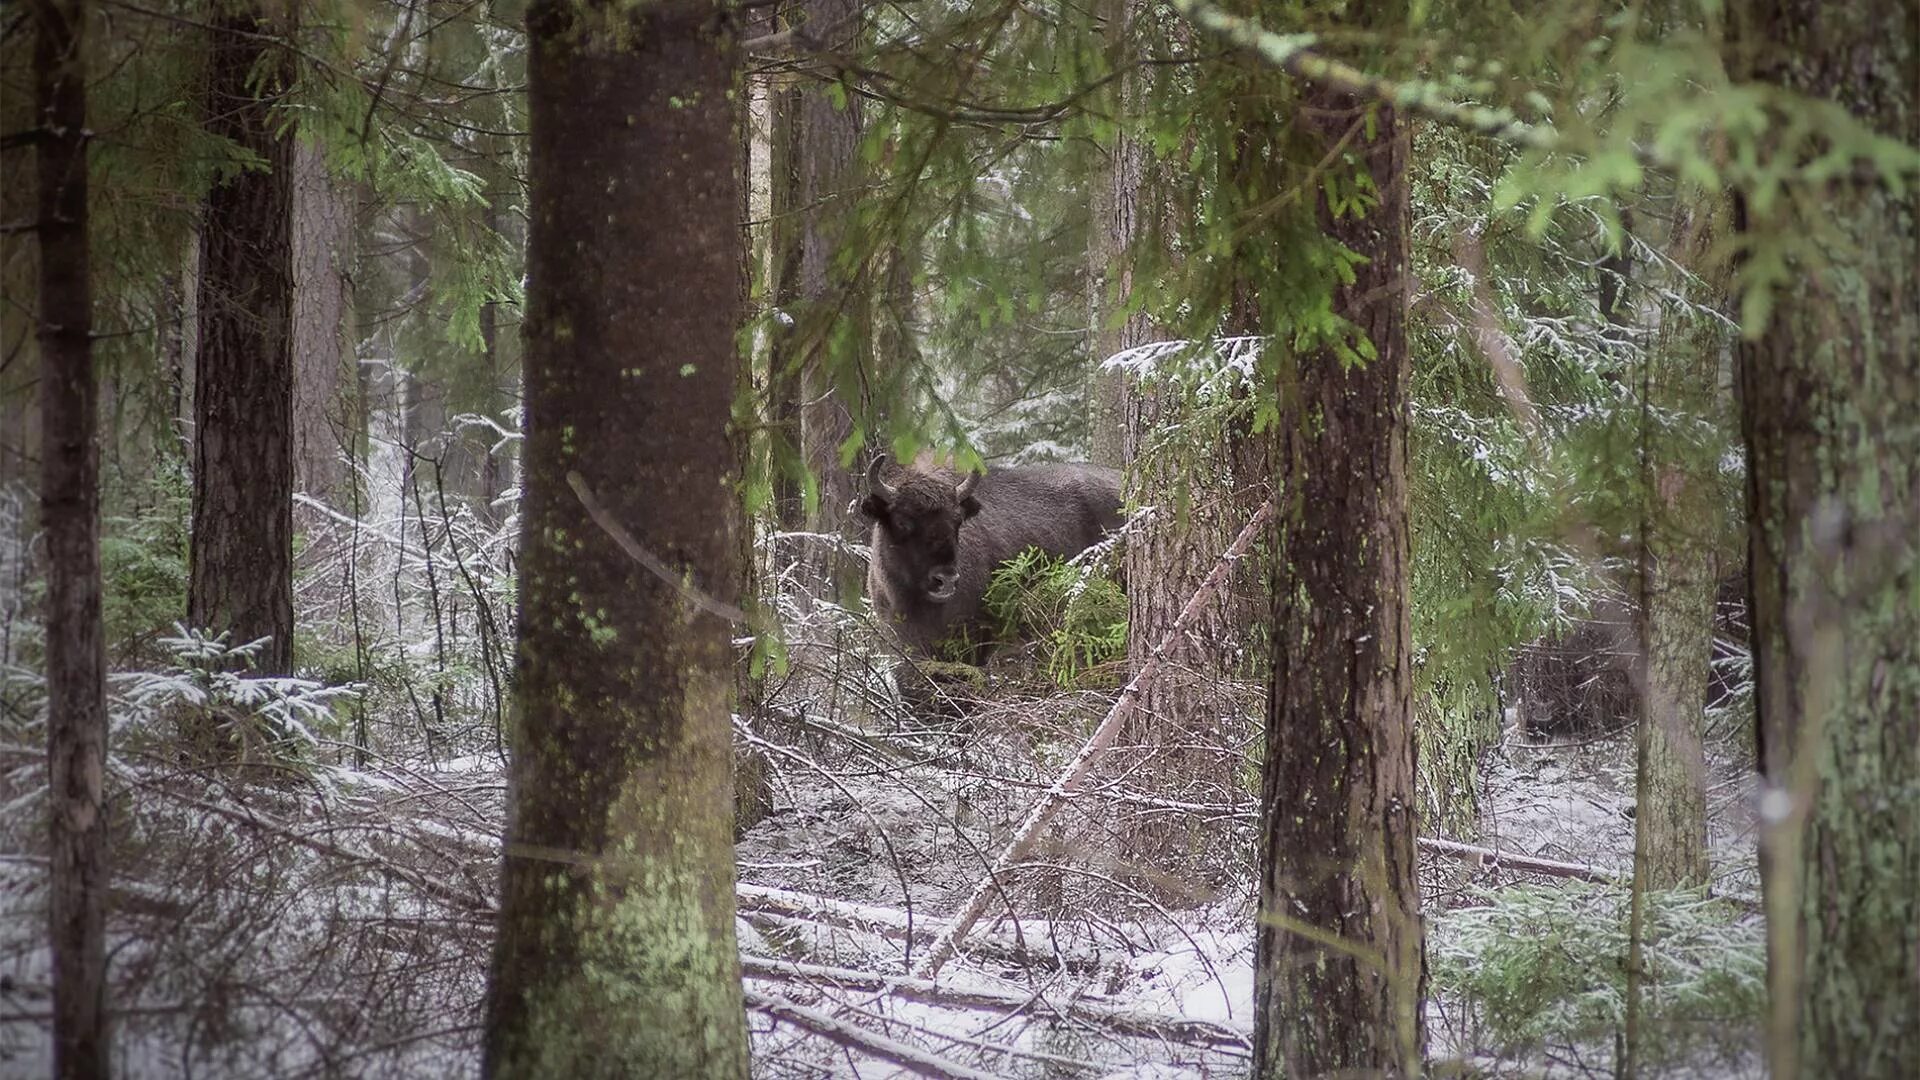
342, 947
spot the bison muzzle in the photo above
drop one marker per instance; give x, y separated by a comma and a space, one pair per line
938, 537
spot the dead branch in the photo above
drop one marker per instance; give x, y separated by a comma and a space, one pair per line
909, 1057
784, 907
1071, 778
1492, 859
1091, 1008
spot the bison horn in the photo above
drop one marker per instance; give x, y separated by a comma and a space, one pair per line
879, 486
965, 487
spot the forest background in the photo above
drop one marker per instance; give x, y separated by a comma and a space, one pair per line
1515, 403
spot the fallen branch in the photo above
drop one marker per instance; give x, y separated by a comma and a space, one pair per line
784, 907
907, 1056
1068, 785
1495, 860
1091, 1008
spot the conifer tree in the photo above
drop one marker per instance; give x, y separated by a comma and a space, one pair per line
616, 953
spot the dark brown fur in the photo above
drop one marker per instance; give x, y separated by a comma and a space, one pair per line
926, 531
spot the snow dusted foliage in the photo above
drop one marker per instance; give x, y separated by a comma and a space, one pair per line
329, 909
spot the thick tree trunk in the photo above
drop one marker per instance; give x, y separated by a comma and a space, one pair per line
616, 954
1201, 486
241, 558
70, 514
322, 351
1339, 969
1829, 393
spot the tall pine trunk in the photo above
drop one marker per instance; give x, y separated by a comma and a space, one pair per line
322, 351
241, 556
616, 952
1339, 967
1201, 476
832, 315
70, 514
1830, 391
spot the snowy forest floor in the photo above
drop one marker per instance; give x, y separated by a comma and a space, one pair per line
330, 913
340, 925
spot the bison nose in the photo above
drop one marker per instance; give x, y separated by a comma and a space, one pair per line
941, 583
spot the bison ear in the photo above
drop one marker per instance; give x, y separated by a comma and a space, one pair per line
874, 507
969, 506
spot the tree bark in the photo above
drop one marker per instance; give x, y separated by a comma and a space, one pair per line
1122, 200
1678, 587
70, 514
833, 324
616, 953
322, 351
1681, 528
1829, 392
1200, 485
1339, 970
241, 555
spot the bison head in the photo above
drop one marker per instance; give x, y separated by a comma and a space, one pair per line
920, 515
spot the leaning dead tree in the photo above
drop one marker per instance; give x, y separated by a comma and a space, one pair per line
1074, 775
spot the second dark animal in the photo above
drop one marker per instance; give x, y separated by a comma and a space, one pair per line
938, 536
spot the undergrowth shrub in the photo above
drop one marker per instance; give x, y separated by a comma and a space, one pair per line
1077, 615
1544, 966
276, 720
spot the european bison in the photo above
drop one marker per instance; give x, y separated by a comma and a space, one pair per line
938, 537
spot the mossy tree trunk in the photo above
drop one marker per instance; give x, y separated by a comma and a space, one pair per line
616, 955
1339, 967
240, 577
1830, 392
70, 514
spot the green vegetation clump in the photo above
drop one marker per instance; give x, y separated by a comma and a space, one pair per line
1544, 966
1076, 614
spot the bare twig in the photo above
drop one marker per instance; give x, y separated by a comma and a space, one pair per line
658, 568
1076, 771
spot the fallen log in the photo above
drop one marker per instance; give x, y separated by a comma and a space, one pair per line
873, 1044
1497, 860
784, 907
1091, 1008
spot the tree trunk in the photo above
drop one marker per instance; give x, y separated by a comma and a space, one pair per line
832, 314
1199, 499
1829, 392
1682, 529
322, 350
616, 953
1121, 197
1678, 581
70, 514
241, 557
1339, 970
